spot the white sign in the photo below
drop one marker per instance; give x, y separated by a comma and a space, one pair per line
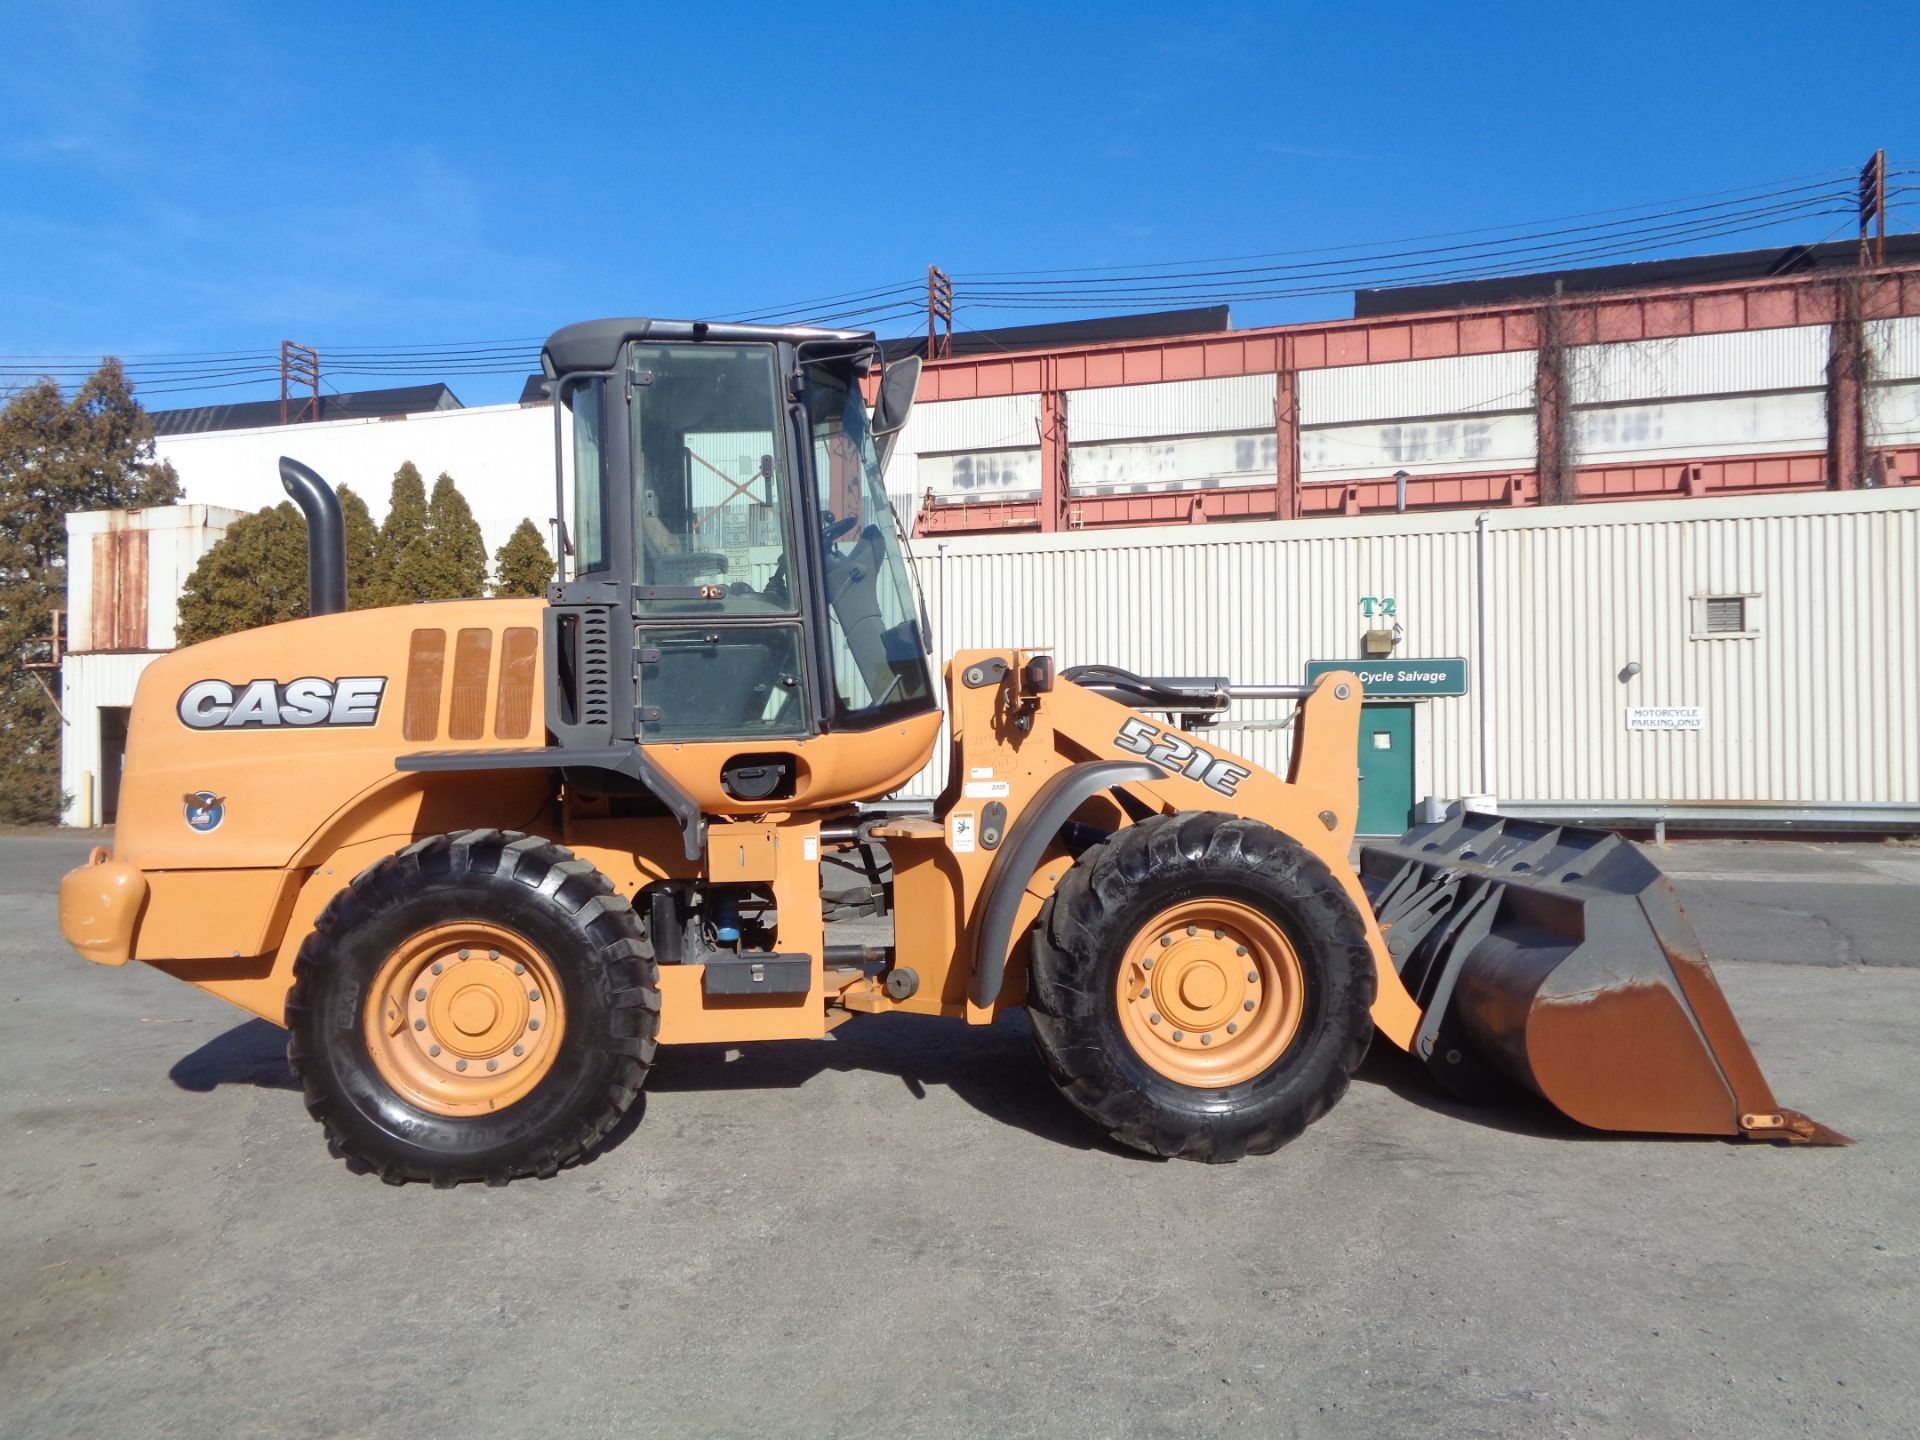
961, 824
1666, 717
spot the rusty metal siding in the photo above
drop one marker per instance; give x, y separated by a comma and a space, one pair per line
1821, 705
126, 569
117, 608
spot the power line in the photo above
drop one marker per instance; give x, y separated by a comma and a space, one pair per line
1616, 233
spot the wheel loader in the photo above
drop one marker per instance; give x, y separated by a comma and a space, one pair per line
483, 858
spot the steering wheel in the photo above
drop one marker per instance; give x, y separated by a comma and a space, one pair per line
832, 529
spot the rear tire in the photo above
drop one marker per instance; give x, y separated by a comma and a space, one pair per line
479, 1006
1253, 932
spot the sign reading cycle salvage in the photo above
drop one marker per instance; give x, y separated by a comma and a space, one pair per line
1666, 717
1447, 676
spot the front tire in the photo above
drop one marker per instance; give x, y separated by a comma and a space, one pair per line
479, 1006
1200, 986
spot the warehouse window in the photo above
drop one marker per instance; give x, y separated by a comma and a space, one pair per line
1726, 617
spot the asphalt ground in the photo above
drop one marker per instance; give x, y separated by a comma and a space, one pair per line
901, 1231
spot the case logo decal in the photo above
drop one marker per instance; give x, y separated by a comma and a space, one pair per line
259, 704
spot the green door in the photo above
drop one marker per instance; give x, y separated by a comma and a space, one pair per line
1386, 769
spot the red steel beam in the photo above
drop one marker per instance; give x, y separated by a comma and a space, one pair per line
1636, 480
1765, 304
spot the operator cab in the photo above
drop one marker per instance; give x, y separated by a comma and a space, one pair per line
728, 543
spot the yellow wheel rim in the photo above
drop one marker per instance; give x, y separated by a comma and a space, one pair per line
464, 1019
1210, 993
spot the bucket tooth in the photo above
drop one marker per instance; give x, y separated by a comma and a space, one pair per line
1558, 959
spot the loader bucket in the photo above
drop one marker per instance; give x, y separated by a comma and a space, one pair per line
1558, 959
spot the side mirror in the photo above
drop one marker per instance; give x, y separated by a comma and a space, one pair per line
898, 384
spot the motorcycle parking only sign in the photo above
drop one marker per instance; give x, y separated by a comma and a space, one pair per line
1666, 717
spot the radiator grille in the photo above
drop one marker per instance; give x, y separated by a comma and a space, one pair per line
461, 702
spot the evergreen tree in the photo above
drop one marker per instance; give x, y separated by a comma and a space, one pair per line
456, 561
256, 575
522, 565
57, 455
400, 548
363, 538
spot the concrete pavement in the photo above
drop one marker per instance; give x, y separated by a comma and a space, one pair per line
901, 1231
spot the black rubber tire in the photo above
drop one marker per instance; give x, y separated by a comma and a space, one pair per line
597, 948
1081, 940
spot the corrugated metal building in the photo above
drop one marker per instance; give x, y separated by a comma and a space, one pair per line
1778, 630
125, 572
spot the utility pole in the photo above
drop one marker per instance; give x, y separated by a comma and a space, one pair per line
939, 307
1873, 209
299, 369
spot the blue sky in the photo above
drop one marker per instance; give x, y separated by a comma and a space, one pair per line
212, 177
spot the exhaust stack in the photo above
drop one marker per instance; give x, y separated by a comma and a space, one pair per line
326, 537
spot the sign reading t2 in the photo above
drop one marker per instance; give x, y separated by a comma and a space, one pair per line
1381, 605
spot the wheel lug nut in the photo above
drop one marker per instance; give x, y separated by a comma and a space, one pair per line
533, 994
1253, 977
438, 967
1165, 940
1233, 1027
1178, 1036
533, 1024
1248, 1006
1206, 1039
433, 1050
459, 1064
493, 1064
419, 1024
518, 969
1239, 949
465, 953
420, 994
1219, 934
493, 954
1147, 964
1191, 930
1154, 1018
519, 1049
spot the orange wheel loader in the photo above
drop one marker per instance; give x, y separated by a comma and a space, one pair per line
482, 858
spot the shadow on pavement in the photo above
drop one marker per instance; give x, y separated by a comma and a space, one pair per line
1515, 1113
994, 1069
252, 1053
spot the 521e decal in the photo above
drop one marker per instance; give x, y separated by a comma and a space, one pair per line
1164, 747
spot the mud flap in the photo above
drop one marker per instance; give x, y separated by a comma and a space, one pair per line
1559, 959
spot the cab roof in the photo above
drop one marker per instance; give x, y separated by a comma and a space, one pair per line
595, 344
